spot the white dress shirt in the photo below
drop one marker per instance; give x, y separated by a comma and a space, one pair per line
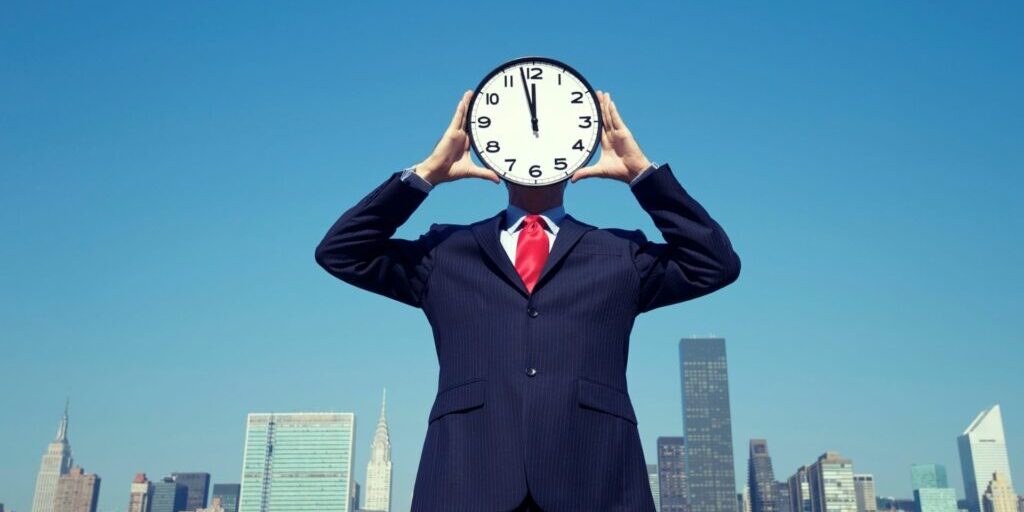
514, 217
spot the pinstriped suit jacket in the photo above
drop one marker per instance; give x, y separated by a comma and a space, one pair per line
532, 391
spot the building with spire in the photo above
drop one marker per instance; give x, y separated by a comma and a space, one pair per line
378, 470
56, 462
982, 453
999, 495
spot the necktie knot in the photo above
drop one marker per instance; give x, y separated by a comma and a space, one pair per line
533, 221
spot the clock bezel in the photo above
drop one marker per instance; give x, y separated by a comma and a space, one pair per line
468, 122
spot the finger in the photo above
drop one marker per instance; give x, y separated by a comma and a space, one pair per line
609, 106
619, 123
460, 112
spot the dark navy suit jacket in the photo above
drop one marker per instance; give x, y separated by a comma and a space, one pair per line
532, 391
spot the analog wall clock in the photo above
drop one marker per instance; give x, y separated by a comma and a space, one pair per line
534, 121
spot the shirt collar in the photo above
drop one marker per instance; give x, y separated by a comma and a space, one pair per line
514, 216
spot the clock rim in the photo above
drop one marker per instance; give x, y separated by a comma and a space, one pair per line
476, 93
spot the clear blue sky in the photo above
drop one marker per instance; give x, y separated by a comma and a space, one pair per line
166, 172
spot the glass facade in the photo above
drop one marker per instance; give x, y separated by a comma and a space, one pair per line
707, 424
198, 488
168, 496
760, 477
830, 481
228, 494
928, 476
935, 499
672, 474
298, 462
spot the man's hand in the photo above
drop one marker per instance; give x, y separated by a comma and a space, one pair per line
621, 158
450, 159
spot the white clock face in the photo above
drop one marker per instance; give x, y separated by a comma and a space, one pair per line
534, 121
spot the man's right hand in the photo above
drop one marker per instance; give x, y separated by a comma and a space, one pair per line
450, 159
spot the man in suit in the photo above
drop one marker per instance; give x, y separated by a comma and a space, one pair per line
531, 311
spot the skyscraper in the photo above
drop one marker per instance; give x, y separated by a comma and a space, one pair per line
297, 462
672, 474
77, 491
228, 494
141, 494
760, 477
378, 469
197, 487
931, 488
999, 495
56, 462
168, 496
864, 489
707, 423
982, 453
830, 483
799, 491
652, 480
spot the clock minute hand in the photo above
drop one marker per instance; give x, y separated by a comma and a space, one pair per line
529, 101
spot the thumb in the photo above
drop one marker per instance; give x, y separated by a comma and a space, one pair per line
585, 172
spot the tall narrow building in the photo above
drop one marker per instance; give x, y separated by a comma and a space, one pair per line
672, 474
378, 469
707, 424
56, 462
864, 488
982, 453
931, 489
296, 462
999, 495
830, 483
197, 487
799, 491
141, 494
77, 491
760, 477
228, 494
652, 480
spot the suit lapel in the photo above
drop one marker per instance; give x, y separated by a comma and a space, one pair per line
569, 232
487, 234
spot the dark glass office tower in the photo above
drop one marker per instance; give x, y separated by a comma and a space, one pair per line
707, 425
672, 474
228, 494
760, 477
198, 485
168, 496
782, 500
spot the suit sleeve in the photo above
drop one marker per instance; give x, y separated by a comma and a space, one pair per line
697, 257
359, 248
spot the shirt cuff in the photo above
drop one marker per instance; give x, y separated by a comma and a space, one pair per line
643, 174
409, 176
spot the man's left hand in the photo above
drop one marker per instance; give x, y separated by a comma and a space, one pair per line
621, 157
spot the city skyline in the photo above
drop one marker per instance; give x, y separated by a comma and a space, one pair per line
165, 170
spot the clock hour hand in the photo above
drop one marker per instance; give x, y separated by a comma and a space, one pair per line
533, 94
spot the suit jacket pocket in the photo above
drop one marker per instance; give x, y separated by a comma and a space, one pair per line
604, 398
459, 398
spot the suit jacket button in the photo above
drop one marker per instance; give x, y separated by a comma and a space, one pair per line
531, 371
532, 312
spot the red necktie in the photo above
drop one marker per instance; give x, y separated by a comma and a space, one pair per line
531, 250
